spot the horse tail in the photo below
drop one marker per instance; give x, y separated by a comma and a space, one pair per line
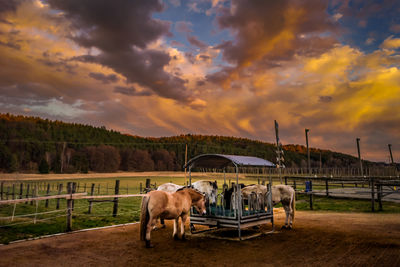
293, 203
144, 217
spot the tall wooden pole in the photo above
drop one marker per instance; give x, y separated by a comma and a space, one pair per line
359, 156
185, 164
390, 152
278, 150
308, 152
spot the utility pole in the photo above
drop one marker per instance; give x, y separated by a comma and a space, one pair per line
279, 151
391, 155
359, 156
308, 152
185, 164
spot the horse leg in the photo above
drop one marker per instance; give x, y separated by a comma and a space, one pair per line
286, 208
150, 226
175, 234
291, 215
162, 223
184, 217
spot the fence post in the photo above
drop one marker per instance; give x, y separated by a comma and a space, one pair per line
140, 188
115, 209
372, 195
147, 185
60, 188
90, 201
21, 190
47, 194
73, 192
326, 187
13, 191
27, 192
311, 196
69, 207
379, 188
1, 190
285, 180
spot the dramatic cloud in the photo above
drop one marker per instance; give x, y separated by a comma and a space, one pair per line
272, 31
122, 31
111, 78
130, 91
196, 42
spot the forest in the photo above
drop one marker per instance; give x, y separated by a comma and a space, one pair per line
33, 144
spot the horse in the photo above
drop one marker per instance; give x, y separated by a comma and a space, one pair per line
284, 194
228, 196
160, 204
287, 196
210, 189
167, 187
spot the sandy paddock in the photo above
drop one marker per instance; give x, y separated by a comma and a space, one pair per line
319, 239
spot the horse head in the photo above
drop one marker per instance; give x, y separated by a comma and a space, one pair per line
199, 202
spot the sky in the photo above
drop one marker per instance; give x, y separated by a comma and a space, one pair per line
213, 67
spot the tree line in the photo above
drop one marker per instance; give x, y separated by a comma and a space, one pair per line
33, 144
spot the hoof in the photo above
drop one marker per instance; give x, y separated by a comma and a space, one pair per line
176, 237
163, 226
290, 227
184, 237
284, 227
149, 244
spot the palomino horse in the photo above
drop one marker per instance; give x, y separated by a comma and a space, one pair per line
170, 188
210, 189
160, 204
284, 194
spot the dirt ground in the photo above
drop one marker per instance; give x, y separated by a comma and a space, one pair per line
318, 239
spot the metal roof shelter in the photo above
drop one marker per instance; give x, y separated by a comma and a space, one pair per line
221, 161
237, 216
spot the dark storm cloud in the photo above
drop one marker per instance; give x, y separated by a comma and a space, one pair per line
111, 78
130, 91
122, 30
9, 5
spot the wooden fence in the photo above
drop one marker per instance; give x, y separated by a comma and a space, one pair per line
69, 197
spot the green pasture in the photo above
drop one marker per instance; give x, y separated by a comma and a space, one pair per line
54, 221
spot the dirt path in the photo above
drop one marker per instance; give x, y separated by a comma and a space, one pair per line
319, 239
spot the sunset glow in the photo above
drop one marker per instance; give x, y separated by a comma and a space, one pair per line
161, 68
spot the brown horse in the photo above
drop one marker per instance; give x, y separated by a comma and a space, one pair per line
160, 204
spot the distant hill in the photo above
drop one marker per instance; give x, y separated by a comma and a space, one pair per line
32, 144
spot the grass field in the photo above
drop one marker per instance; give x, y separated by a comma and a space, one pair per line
51, 221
